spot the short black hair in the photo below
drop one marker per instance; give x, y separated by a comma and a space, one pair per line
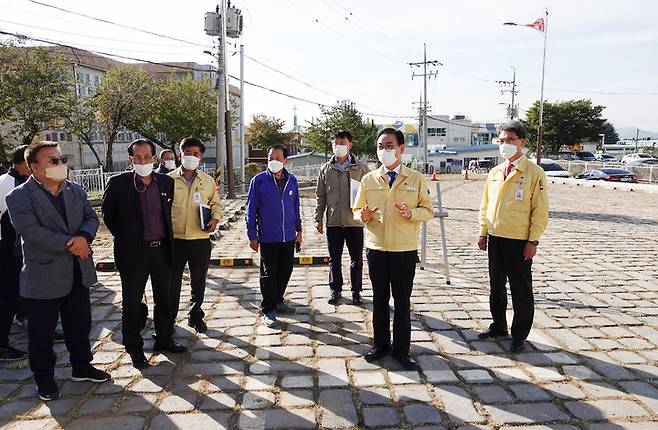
137, 142
515, 127
191, 141
343, 134
18, 157
283, 149
399, 136
164, 151
33, 149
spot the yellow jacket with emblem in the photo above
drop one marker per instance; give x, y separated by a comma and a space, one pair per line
187, 199
388, 230
516, 207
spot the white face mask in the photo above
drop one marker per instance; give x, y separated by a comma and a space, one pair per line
387, 156
190, 162
170, 164
57, 173
275, 166
340, 150
507, 150
143, 170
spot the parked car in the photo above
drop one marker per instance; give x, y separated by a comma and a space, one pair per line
571, 156
552, 169
480, 166
584, 156
612, 175
630, 158
643, 162
606, 158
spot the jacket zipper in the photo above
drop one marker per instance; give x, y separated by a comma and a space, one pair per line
283, 209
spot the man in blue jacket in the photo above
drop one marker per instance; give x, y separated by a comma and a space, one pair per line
274, 225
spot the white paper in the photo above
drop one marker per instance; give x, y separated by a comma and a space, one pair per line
354, 189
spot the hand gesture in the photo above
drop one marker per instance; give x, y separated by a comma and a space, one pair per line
367, 213
404, 210
482, 243
253, 244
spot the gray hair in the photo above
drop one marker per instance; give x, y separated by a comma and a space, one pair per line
515, 127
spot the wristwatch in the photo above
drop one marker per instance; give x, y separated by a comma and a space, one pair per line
534, 242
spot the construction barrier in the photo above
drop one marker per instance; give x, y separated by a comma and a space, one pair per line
311, 261
109, 266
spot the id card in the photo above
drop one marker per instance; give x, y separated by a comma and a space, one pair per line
518, 194
197, 198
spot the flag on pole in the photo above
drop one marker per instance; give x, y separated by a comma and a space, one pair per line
537, 25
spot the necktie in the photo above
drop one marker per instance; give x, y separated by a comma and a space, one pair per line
392, 176
509, 169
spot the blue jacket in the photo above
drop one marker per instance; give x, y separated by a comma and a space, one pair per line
272, 216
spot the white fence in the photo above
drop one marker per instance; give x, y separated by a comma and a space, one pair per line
644, 173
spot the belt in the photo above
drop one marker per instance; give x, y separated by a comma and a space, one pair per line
154, 243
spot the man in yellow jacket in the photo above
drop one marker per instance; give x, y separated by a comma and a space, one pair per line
192, 188
513, 216
392, 202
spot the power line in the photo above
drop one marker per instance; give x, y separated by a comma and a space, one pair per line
106, 21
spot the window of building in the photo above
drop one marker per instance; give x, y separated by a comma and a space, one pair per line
434, 132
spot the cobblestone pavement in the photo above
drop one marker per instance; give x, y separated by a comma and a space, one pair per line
591, 362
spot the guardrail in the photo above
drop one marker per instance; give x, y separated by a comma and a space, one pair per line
647, 174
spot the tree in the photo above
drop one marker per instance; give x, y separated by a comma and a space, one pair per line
265, 131
343, 116
124, 94
565, 123
81, 120
35, 88
611, 135
179, 108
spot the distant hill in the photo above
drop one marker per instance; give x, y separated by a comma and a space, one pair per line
629, 133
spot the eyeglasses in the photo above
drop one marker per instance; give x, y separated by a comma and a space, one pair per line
506, 140
55, 161
146, 158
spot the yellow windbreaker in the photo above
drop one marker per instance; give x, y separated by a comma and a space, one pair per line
388, 230
516, 207
185, 210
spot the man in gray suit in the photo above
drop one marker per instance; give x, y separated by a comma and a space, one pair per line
57, 225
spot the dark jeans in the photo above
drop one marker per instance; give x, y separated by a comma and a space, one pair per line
276, 263
392, 272
10, 270
506, 263
42, 316
156, 263
196, 254
336, 238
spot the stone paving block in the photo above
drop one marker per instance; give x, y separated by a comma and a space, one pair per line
338, 409
644, 391
218, 421
368, 378
173, 404
96, 405
412, 393
258, 400
529, 392
492, 393
623, 426
380, 417
375, 395
296, 398
457, 404
564, 390
605, 409
422, 414
301, 381
526, 413
476, 376
121, 422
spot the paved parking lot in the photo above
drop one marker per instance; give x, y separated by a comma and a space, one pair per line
592, 362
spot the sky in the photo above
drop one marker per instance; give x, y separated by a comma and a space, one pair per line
323, 51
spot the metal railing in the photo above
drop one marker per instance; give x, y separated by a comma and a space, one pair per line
647, 174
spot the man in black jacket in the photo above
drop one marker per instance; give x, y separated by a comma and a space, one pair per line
137, 211
11, 256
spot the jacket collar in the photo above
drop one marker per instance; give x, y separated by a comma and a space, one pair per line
353, 160
47, 205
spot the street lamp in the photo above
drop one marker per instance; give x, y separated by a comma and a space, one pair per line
540, 25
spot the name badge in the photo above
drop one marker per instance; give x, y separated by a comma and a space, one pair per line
409, 188
518, 194
197, 198
290, 193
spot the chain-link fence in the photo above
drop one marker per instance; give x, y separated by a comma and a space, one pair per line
647, 174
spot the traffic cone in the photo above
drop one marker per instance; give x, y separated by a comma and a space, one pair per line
434, 176
466, 174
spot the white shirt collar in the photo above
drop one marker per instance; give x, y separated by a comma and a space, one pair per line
396, 170
515, 162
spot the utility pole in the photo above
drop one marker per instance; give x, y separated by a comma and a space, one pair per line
637, 137
512, 109
425, 75
243, 148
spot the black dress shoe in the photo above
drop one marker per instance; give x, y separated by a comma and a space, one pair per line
335, 297
356, 299
405, 361
169, 346
517, 345
139, 360
376, 353
491, 333
51, 392
198, 325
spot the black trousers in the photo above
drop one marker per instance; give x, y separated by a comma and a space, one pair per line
156, 263
392, 272
336, 239
10, 270
506, 263
42, 317
196, 254
276, 263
